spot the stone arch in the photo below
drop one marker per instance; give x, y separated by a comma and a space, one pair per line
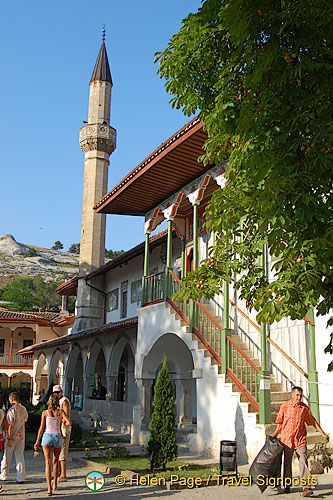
122, 386
74, 372
96, 367
56, 371
21, 379
40, 377
3, 380
180, 363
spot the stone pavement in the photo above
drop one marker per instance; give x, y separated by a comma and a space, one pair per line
35, 486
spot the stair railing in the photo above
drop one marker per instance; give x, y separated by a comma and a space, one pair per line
241, 370
154, 285
281, 351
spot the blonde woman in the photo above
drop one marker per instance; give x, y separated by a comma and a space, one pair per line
50, 425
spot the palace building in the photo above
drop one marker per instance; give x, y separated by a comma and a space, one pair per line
230, 374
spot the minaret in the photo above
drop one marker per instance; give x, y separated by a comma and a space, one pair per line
97, 141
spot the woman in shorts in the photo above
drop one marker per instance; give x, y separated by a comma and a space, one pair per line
50, 425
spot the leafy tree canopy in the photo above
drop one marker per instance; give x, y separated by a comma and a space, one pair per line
74, 248
259, 72
29, 294
57, 245
112, 254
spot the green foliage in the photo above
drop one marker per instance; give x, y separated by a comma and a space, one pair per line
162, 439
19, 293
323, 454
74, 248
112, 254
28, 294
31, 252
259, 72
116, 451
57, 245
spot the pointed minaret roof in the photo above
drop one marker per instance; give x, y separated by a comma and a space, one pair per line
102, 69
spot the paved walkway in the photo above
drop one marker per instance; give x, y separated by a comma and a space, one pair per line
35, 486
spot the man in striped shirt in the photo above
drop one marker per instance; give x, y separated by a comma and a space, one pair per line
291, 420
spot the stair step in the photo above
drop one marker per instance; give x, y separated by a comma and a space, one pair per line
279, 396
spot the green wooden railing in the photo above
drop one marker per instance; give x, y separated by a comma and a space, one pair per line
153, 288
239, 367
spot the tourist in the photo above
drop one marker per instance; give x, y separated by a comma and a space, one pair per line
291, 420
17, 416
52, 418
3, 425
65, 431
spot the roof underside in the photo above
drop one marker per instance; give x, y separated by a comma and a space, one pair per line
170, 167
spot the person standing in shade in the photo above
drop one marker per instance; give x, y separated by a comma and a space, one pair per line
17, 416
65, 406
291, 420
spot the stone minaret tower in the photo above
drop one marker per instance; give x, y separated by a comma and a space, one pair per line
97, 141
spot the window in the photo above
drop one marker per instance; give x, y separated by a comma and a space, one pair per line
27, 342
123, 312
2, 346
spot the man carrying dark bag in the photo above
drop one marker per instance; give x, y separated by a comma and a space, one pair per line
291, 420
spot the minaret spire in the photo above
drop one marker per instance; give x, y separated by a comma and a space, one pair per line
102, 69
97, 141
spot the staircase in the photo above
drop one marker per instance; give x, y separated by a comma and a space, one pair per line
278, 394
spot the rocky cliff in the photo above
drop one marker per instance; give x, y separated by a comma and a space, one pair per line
18, 259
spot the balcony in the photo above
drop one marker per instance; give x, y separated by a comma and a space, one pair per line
15, 360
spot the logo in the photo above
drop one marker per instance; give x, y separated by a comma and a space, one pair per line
95, 480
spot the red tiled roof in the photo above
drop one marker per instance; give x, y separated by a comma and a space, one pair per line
31, 317
75, 337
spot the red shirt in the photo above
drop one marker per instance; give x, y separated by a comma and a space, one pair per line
293, 418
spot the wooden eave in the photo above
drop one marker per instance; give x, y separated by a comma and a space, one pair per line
171, 166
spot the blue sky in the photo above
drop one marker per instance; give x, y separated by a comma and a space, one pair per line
48, 52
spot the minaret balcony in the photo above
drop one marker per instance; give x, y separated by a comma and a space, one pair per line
97, 136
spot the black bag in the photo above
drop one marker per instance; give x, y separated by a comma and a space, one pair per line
267, 463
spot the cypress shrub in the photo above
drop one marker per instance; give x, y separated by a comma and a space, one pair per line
162, 439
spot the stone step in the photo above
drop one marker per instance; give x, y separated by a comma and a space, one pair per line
279, 396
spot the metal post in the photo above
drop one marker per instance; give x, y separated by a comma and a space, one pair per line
265, 416
313, 374
145, 271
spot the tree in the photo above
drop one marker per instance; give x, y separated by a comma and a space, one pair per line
112, 254
259, 72
19, 293
74, 248
28, 294
162, 439
57, 245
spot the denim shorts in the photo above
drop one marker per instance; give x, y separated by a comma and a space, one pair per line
52, 439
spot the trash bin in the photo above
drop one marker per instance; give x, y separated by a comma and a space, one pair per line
228, 458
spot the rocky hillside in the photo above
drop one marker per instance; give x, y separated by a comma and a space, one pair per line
18, 259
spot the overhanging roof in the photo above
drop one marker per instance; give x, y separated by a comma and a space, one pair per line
76, 337
170, 167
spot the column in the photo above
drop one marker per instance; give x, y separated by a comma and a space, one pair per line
168, 266
11, 347
226, 331
183, 259
265, 416
192, 306
145, 271
313, 374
